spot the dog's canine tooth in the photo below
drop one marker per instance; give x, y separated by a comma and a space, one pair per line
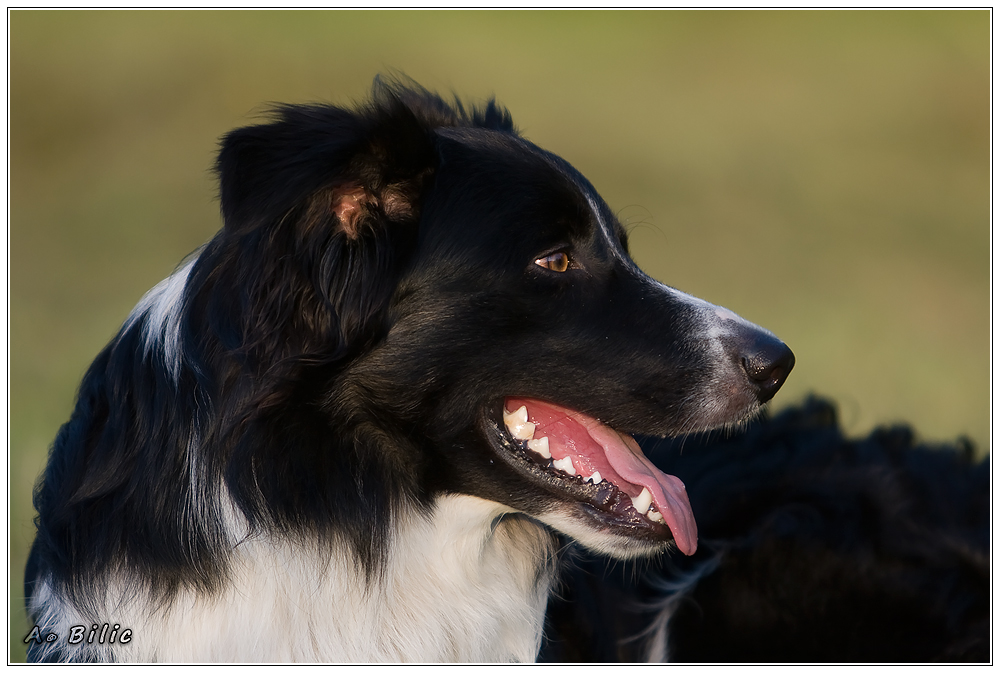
540, 446
595, 478
517, 423
565, 465
653, 515
642, 501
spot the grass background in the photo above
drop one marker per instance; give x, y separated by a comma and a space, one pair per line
824, 174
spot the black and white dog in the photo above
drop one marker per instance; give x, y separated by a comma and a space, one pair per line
354, 425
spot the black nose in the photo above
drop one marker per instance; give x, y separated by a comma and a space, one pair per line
767, 361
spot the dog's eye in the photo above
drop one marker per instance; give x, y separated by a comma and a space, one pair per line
557, 261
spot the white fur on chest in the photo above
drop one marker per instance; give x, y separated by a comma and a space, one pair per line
469, 583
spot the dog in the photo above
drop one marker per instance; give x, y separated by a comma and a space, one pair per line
814, 548
359, 423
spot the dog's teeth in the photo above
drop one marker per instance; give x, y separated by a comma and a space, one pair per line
595, 478
526, 431
653, 515
642, 501
540, 446
518, 417
565, 465
517, 423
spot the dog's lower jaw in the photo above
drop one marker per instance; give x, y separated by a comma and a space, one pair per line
467, 583
570, 520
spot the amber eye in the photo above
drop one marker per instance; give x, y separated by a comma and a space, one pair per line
557, 261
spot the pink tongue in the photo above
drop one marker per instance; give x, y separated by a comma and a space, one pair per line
594, 446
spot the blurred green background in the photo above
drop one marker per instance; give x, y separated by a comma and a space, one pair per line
824, 174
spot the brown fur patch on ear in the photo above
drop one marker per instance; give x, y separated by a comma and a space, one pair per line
353, 206
400, 201
397, 202
349, 205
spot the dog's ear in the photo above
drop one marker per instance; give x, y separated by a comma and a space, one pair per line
325, 165
321, 208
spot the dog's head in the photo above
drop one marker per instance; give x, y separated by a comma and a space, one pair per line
457, 308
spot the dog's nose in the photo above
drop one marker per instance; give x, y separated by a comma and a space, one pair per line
767, 361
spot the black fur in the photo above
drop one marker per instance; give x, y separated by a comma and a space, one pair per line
814, 548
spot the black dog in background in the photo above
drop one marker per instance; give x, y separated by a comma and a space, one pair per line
814, 548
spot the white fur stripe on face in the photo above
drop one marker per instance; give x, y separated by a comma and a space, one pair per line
607, 233
717, 321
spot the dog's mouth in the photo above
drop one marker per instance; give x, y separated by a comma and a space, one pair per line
600, 467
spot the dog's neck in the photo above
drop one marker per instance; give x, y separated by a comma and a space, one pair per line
468, 582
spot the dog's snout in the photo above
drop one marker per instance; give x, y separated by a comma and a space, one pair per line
767, 362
